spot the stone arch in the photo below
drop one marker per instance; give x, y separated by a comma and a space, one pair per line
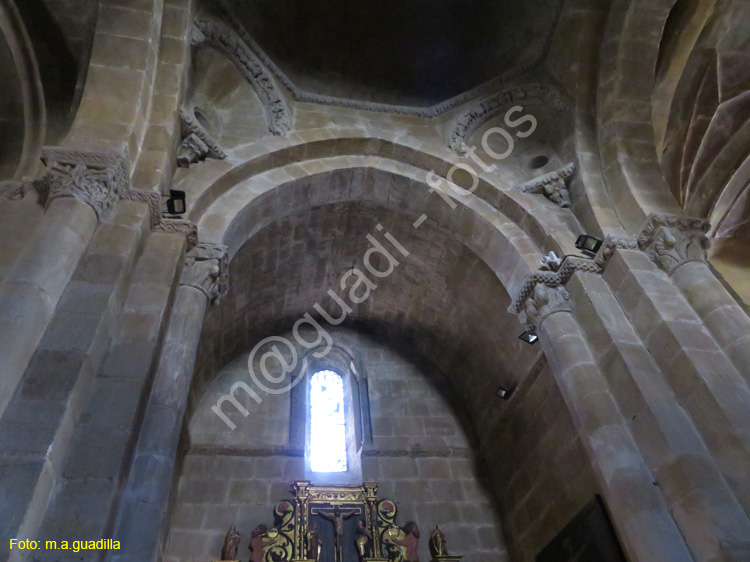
628, 58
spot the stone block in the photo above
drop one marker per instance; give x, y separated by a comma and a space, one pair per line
96, 452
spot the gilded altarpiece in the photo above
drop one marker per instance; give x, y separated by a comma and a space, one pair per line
333, 524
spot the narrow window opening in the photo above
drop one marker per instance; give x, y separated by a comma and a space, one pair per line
327, 423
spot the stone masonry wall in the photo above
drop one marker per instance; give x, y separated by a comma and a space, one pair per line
421, 456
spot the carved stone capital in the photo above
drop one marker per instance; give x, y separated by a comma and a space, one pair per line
150, 198
207, 269
98, 179
554, 186
672, 240
544, 301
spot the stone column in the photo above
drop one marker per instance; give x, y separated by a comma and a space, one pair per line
647, 531
142, 519
677, 245
83, 188
697, 494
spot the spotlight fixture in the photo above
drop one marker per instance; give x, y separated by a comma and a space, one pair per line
529, 336
176, 202
589, 244
504, 393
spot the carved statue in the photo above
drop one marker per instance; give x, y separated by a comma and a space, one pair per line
410, 541
553, 186
313, 544
363, 540
231, 544
438, 542
337, 518
258, 541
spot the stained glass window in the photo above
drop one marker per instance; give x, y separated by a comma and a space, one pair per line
327, 423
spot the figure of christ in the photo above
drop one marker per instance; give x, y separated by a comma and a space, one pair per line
337, 518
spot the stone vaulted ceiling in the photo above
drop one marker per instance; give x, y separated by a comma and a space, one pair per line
412, 53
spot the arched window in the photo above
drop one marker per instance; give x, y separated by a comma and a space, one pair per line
328, 435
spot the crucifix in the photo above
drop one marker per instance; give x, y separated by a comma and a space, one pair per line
337, 517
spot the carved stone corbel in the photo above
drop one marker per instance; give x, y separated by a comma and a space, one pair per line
207, 269
554, 186
98, 179
610, 246
671, 241
197, 143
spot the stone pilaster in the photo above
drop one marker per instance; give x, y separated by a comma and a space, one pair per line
98, 179
207, 269
646, 528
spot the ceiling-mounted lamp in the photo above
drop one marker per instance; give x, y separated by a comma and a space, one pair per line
529, 336
589, 244
176, 203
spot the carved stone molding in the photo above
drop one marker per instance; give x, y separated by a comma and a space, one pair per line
197, 143
15, 190
557, 278
671, 241
216, 34
150, 198
482, 111
99, 179
554, 186
610, 246
186, 228
207, 269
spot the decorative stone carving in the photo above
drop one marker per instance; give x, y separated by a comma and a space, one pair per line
612, 244
207, 269
197, 143
99, 179
545, 300
186, 228
554, 186
557, 278
551, 262
491, 107
671, 241
15, 190
150, 198
218, 35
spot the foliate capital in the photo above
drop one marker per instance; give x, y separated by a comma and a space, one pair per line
207, 269
671, 241
98, 179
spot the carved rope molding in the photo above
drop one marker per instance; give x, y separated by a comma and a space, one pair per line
671, 241
482, 111
554, 186
207, 269
99, 179
186, 228
216, 34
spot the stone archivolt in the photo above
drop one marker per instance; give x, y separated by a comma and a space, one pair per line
554, 186
216, 34
207, 269
492, 106
99, 179
671, 241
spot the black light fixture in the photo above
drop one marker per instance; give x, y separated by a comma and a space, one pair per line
176, 202
529, 336
504, 393
589, 244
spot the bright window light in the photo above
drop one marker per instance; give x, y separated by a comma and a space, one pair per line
327, 423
